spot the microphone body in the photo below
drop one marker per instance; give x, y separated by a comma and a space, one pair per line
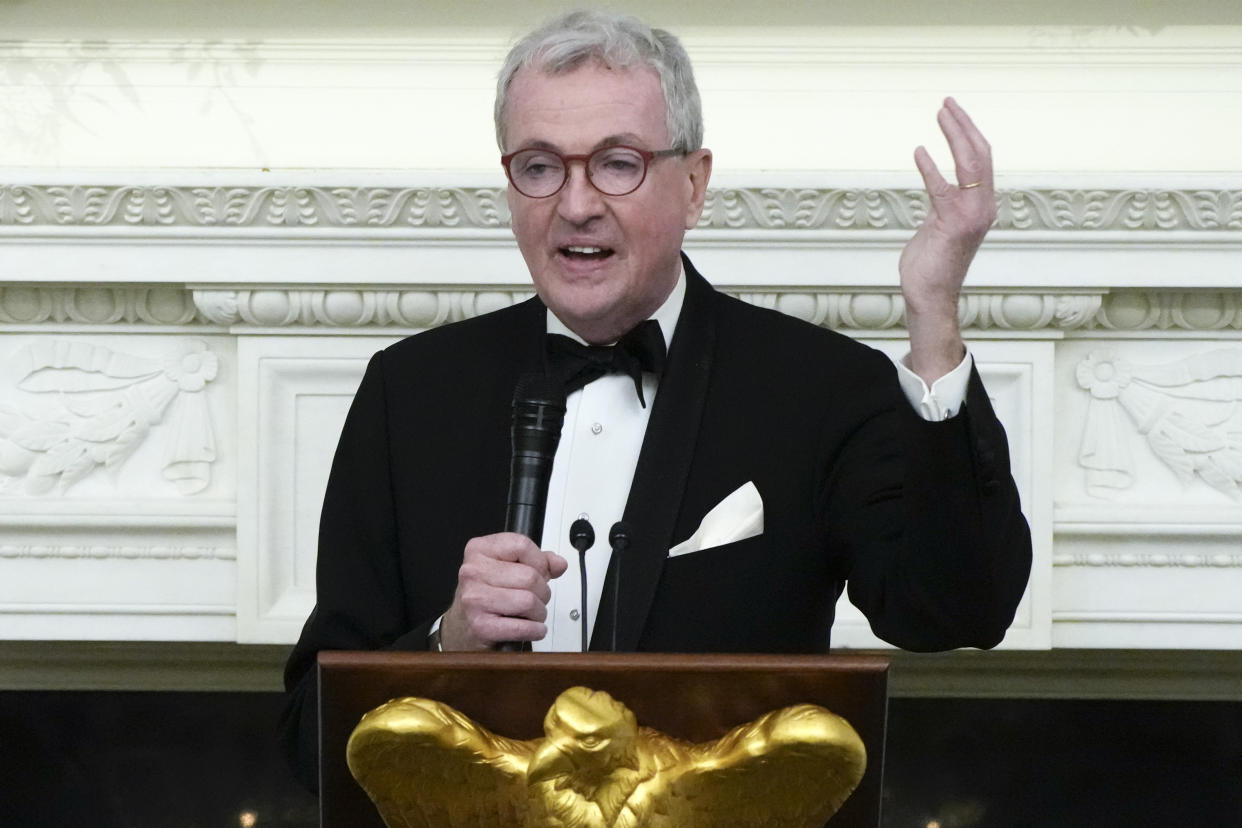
582, 538
538, 414
619, 538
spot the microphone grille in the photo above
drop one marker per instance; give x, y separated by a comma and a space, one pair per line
538, 389
619, 535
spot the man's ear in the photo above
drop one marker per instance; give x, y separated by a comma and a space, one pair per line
699, 171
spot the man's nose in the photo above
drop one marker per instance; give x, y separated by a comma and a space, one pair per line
579, 201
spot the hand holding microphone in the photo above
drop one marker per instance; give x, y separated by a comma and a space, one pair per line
502, 585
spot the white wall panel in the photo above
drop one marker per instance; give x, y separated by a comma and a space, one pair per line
298, 393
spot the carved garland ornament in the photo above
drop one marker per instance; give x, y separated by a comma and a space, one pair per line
1183, 409
764, 208
94, 406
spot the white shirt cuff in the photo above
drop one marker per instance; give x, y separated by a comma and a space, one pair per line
946, 396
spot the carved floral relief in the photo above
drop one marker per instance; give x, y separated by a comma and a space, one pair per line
1184, 410
92, 406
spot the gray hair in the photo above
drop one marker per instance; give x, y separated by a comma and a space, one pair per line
566, 42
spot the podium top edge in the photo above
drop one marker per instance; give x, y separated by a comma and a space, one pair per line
683, 662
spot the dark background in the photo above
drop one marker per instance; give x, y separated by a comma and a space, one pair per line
201, 760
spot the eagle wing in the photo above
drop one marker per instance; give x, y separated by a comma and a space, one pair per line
793, 767
425, 765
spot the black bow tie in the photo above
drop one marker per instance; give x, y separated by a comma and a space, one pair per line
575, 364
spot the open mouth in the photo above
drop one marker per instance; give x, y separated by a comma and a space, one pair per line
586, 254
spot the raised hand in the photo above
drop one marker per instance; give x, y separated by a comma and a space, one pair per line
934, 263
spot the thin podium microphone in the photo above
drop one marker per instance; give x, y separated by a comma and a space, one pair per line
619, 539
582, 538
538, 414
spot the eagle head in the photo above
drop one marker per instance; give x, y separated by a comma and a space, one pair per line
590, 736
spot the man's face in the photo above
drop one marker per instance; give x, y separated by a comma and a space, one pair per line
602, 263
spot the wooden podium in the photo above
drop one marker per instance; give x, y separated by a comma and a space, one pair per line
692, 697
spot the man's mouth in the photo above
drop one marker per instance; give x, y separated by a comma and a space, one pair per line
585, 253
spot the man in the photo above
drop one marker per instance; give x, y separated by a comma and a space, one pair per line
800, 434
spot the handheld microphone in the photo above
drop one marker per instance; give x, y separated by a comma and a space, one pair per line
582, 538
538, 414
619, 539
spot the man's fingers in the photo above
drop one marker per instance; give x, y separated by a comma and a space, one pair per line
509, 546
556, 565
480, 599
971, 153
933, 181
972, 132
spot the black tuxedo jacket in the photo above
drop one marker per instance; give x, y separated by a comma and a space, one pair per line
921, 520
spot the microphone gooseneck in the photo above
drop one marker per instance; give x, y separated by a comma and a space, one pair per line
538, 414
619, 539
582, 538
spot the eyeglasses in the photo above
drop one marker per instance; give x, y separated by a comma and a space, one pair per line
614, 170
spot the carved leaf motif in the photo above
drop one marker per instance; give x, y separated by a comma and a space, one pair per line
106, 425
40, 436
10, 420
15, 461
58, 458
40, 484
1191, 435
1222, 470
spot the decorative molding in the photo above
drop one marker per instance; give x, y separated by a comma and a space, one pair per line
95, 405
97, 305
350, 308
1096, 309
38, 551
1137, 310
1150, 560
882, 310
741, 208
250, 206
1139, 617
1182, 408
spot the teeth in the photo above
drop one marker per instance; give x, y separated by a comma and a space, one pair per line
585, 250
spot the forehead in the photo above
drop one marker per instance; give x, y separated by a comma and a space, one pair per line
586, 106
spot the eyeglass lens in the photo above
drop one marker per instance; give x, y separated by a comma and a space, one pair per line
613, 170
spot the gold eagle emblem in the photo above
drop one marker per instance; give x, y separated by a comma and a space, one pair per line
425, 765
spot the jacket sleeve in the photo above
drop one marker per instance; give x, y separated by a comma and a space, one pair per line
937, 547
360, 601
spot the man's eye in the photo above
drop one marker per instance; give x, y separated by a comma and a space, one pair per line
620, 164
538, 166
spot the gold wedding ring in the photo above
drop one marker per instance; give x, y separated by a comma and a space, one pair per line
970, 186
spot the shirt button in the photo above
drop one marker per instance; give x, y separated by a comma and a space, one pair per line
596, 428
574, 614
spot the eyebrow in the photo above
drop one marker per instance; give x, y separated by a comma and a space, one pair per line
627, 138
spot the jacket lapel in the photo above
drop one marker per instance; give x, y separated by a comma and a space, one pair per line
663, 468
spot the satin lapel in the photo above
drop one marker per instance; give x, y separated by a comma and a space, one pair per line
663, 467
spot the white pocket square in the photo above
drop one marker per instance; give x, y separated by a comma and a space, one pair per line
736, 518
